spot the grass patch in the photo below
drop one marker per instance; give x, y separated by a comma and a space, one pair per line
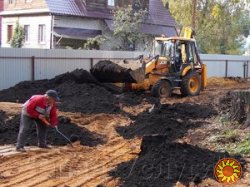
231, 134
243, 147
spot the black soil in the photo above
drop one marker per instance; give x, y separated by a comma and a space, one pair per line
108, 71
162, 160
78, 90
9, 128
171, 120
163, 163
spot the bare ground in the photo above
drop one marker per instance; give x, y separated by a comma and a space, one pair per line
115, 147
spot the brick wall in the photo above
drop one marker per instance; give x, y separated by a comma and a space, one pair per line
24, 4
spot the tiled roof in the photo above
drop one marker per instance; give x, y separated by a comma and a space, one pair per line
66, 7
159, 15
158, 30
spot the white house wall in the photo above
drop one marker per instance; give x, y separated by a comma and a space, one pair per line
77, 22
33, 21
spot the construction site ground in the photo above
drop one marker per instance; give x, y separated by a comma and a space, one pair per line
119, 140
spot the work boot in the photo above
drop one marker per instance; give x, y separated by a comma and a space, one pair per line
20, 149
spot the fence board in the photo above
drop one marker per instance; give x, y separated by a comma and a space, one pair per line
16, 64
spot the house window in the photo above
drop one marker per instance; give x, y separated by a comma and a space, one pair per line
41, 33
111, 2
26, 33
11, 1
9, 32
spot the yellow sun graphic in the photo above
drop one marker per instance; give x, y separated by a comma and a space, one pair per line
227, 171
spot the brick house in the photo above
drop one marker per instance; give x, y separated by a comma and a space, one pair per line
61, 23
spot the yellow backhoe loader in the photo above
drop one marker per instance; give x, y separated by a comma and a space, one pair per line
175, 65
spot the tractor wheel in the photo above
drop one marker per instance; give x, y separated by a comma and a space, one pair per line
191, 84
161, 89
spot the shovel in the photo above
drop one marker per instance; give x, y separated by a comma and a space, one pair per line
48, 124
63, 136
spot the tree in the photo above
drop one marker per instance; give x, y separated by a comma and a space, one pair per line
94, 43
220, 24
127, 23
18, 37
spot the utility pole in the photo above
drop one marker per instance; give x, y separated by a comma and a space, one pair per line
194, 5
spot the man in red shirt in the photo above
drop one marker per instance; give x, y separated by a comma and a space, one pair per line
36, 110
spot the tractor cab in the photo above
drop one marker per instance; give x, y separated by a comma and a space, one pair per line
178, 52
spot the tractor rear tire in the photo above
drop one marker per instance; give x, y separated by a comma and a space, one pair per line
191, 84
161, 89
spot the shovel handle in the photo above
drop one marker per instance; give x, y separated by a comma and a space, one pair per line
64, 136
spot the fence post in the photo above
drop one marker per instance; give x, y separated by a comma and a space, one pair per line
33, 68
91, 62
244, 70
226, 68
247, 69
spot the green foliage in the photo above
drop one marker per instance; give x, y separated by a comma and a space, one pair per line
94, 43
127, 23
220, 25
243, 147
231, 134
18, 37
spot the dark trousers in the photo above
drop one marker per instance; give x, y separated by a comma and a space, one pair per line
25, 124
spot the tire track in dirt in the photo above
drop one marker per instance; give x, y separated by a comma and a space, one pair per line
96, 171
27, 168
23, 160
91, 177
85, 168
29, 174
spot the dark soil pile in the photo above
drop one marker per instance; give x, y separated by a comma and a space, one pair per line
78, 90
108, 71
9, 130
171, 120
162, 163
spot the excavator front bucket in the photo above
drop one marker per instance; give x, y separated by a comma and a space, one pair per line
126, 71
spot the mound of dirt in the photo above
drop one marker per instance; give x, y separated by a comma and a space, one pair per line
78, 90
122, 71
78, 76
172, 120
9, 130
162, 163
